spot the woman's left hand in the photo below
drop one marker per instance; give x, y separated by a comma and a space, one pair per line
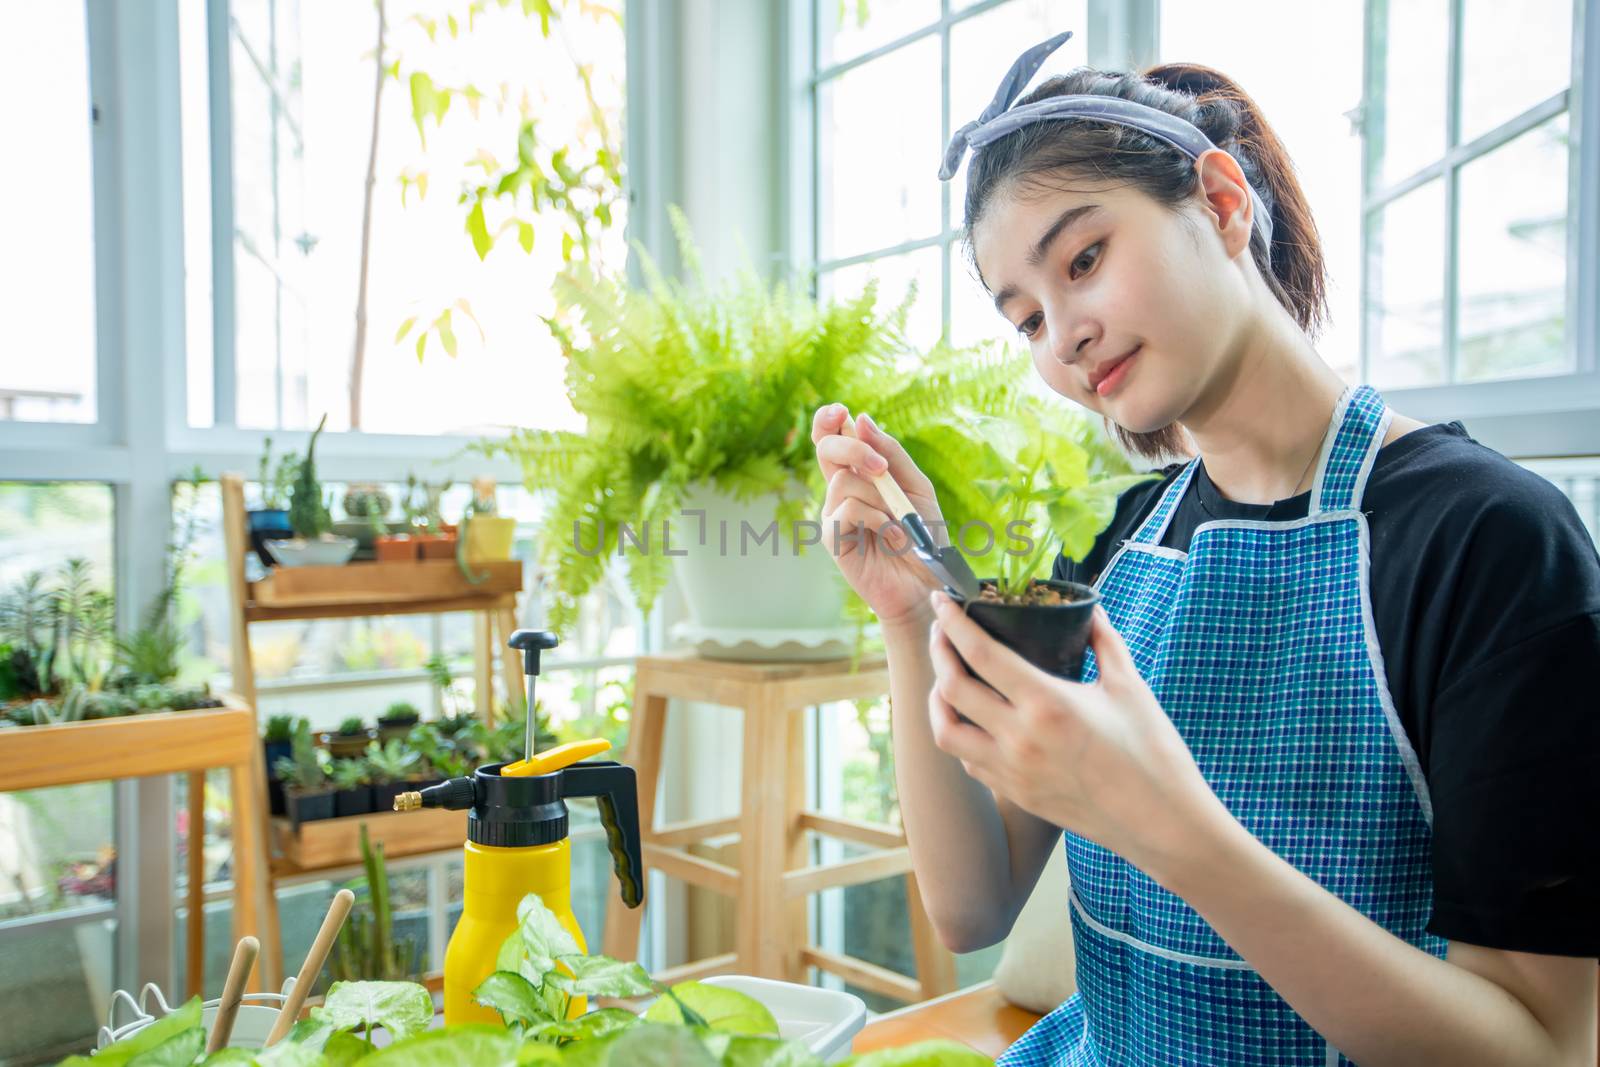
1101, 760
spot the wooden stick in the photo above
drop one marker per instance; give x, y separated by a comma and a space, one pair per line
894, 498
244, 961
338, 911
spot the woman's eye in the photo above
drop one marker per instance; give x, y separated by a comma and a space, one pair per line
1084, 256
1031, 324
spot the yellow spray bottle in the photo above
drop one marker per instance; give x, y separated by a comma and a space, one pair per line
517, 844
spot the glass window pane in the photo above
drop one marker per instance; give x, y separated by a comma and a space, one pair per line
1405, 290
879, 180
1304, 94
303, 123
851, 27
983, 48
47, 298
973, 316
1505, 73
1411, 84
895, 276
1512, 274
44, 524
55, 988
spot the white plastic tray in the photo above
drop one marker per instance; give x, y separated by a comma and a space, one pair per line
824, 1019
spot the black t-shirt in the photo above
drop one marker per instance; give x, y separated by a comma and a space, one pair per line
1486, 598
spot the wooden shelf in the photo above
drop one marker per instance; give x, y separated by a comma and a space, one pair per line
328, 843
134, 746
387, 588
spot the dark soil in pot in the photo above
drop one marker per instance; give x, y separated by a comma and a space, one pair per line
1050, 631
357, 801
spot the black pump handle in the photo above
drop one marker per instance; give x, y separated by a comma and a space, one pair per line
615, 789
529, 642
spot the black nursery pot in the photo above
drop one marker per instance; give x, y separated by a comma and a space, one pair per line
268, 524
357, 801
1052, 637
383, 795
309, 807
272, 751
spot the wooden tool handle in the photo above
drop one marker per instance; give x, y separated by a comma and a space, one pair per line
338, 911
244, 961
893, 496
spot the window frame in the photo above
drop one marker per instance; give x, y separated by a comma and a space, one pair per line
1526, 417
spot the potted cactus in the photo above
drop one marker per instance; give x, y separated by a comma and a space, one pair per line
313, 543
350, 740
393, 768
398, 720
352, 783
308, 796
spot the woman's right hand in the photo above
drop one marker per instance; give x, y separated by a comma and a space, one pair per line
880, 566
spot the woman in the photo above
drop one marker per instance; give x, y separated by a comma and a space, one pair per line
1328, 783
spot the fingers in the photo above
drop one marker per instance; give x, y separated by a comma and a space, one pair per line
827, 420
901, 466
957, 687
989, 659
969, 744
1110, 650
844, 484
837, 452
854, 524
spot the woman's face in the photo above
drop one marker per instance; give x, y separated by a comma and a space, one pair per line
1094, 273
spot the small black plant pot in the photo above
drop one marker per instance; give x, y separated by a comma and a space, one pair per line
272, 751
383, 795
1052, 637
309, 807
268, 524
357, 801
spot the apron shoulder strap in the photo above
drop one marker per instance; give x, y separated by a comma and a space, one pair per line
1359, 424
1155, 524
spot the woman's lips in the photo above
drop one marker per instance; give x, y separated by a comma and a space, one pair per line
1118, 371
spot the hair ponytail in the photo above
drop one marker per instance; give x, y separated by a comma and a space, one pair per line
1227, 114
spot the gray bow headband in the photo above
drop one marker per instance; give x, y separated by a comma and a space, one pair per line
996, 121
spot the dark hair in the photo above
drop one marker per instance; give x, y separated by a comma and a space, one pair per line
1105, 152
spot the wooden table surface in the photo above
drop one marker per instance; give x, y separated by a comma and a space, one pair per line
979, 1018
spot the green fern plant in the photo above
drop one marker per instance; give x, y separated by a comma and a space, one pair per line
682, 383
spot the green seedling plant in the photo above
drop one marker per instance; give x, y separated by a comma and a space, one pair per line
305, 769
352, 726
401, 711
279, 729
393, 761
276, 482
350, 774
1045, 497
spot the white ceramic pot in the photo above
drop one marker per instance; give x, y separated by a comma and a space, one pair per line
257, 1013
323, 552
754, 592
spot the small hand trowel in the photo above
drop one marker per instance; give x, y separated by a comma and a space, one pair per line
946, 564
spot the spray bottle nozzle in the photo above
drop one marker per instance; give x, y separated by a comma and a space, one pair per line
456, 794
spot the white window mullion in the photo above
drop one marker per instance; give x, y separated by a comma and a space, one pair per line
225, 388
1583, 198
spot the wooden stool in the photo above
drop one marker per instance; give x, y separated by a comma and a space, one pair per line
773, 879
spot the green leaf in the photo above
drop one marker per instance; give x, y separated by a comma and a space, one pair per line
922, 1054
567, 245
422, 343
343, 1049
602, 976
226, 1057
463, 1045
447, 333
178, 1051
162, 1030
479, 230
525, 236
455, 28
405, 328
288, 1054
544, 939
659, 1046
723, 1009
425, 101
402, 1008
745, 1051
513, 996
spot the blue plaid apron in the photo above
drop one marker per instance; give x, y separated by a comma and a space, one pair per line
1259, 643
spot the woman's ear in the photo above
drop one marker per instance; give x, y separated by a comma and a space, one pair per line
1226, 196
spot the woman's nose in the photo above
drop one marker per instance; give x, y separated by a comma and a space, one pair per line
1066, 345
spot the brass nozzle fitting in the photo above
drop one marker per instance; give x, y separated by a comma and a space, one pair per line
408, 802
